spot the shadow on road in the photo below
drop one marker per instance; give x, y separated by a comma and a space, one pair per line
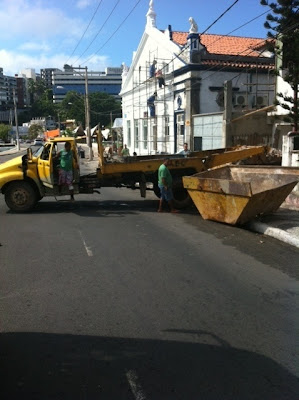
51, 366
99, 208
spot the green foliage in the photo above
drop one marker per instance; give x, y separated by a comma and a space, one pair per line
67, 132
4, 131
44, 106
101, 106
283, 26
42, 102
36, 88
34, 131
24, 116
72, 107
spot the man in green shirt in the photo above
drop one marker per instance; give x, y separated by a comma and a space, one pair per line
125, 153
66, 157
165, 186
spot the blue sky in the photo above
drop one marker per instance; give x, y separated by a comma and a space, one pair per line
48, 33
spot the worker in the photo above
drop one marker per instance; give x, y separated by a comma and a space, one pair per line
165, 186
160, 78
66, 158
152, 70
185, 150
125, 152
151, 104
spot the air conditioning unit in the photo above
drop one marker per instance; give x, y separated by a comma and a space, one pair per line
240, 100
261, 101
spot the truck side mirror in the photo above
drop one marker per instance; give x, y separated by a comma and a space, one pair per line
29, 154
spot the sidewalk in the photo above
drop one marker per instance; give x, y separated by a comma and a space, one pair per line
282, 225
13, 150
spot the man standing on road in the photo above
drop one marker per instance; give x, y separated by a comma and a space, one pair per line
165, 186
66, 157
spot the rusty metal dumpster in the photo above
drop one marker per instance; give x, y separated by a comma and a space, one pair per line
235, 194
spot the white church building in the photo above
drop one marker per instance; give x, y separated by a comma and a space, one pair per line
189, 106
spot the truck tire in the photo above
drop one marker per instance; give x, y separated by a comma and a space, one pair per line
20, 196
181, 198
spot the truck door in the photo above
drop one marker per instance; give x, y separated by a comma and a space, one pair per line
45, 166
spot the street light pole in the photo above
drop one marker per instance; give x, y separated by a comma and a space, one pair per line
87, 110
16, 119
87, 117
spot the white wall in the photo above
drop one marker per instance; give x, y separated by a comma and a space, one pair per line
241, 81
138, 88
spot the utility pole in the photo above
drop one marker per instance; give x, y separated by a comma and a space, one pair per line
112, 136
87, 110
87, 117
227, 115
16, 119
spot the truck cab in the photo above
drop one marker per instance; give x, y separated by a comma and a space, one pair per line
26, 180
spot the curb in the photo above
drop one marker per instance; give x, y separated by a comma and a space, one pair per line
274, 232
8, 152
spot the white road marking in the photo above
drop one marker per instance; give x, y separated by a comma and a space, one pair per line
88, 249
135, 385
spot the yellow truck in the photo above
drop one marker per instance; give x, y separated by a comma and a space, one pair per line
26, 179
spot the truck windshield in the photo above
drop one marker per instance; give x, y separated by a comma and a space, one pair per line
38, 152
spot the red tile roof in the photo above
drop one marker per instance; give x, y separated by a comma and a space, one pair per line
236, 64
226, 45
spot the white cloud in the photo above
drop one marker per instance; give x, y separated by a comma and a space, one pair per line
13, 62
38, 34
32, 46
24, 19
83, 3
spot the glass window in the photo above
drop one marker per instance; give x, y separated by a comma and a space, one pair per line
145, 134
129, 133
136, 133
167, 126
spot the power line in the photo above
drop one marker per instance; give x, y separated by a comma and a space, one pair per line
213, 23
99, 31
81, 98
186, 47
220, 16
239, 54
114, 32
94, 14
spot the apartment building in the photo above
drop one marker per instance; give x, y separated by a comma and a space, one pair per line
46, 75
72, 79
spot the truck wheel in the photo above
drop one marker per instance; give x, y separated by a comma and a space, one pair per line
20, 196
181, 198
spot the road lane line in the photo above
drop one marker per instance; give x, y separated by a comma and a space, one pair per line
88, 250
135, 385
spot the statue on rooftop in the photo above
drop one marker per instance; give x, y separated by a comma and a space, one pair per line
125, 68
194, 26
151, 15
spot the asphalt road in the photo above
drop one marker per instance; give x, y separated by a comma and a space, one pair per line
108, 299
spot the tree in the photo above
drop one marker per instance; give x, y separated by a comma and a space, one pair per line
44, 106
283, 26
4, 131
41, 100
36, 89
35, 130
101, 106
72, 107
